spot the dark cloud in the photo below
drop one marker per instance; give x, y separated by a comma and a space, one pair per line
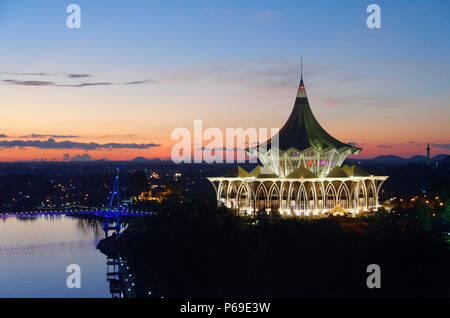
3, 136
352, 143
77, 157
47, 136
53, 144
49, 83
118, 136
75, 75
68, 75
221, 149
384, 146
25, 74
414, 143
442, 146
89, 84
83, 157
85, 84
148, 81
29, 83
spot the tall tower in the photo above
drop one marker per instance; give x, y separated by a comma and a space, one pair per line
428, 154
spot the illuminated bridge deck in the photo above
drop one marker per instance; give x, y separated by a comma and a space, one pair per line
80, 212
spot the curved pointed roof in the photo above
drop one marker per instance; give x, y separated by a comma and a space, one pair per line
302, 131
337, 172
263, 172
256, 172
354, 171
302, 173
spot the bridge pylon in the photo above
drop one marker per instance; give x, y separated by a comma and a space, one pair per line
113, 211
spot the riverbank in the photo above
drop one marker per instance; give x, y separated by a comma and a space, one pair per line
192, 253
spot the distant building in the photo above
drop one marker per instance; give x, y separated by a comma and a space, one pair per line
428, 154
303, 175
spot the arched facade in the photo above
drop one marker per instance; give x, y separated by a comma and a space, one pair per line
298, 197
262, 198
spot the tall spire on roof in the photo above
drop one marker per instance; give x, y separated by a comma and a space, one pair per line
301, 92
301, 66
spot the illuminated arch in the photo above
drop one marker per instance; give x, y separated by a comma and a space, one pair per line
261, 198
371, 196
284, 196
231, 195
344, 196
361, 197
274, 198
302, 199
320, 199
330, 197
312, 198
243, 198
292, 199
219, 190
222, 192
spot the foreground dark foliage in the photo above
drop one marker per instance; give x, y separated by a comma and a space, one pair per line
210, 252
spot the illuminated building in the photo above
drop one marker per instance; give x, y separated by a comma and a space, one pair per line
302, 176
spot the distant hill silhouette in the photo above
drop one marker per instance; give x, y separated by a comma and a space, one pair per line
418, 159
444, 160
142, 159
391, 159
440, 157
388, 159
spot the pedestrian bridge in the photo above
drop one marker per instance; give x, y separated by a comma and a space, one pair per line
110, 214
93, 212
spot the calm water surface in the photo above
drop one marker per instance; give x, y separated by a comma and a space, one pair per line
35, 252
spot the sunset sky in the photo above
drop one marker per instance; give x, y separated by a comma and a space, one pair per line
136, 70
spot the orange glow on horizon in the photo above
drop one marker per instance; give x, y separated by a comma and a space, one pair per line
163, 152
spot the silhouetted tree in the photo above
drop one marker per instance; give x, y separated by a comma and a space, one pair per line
445, 214
137, 183
424, 216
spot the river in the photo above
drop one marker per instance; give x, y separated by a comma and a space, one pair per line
35, 253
